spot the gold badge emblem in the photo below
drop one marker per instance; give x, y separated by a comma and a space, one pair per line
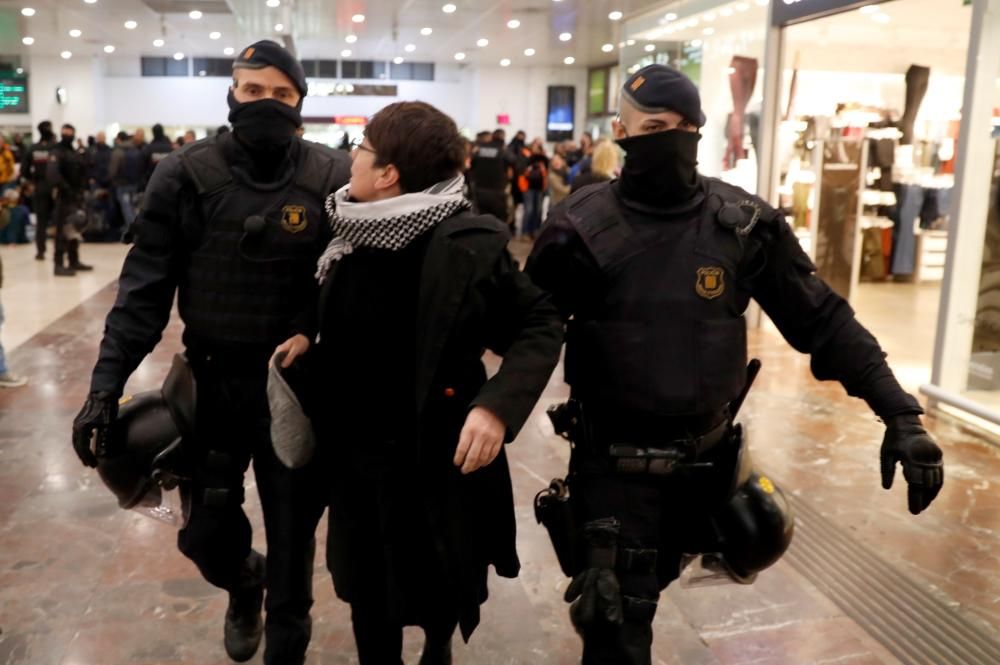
711, 283
766, 485
293, 218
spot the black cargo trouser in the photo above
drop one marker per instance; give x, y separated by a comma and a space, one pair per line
666, 514
67, 236
233, 427
41, 201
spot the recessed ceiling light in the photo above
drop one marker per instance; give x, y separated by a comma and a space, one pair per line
215, 35
569, 60
279, 27
630, 42
881, 18
650, 48
178, 56
350, 39
449, 8
358, 18
670, 17
273, 3
27, 11
398, 60
426, 31
28, 41
565, 37
109, 48
608, 48
410, 48
725, 11
20, 70
505, 62
66, 55
708, 31
615, 15
869, 9
696, 43
194, 14
459, 56
75, 32
483, 43
513, 24
131, 25
346, 53
229, 50
529, 52
158, 43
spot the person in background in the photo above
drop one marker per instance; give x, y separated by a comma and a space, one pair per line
534, 182
604, 165
14, 231
517, 155
18, 147
34, 172
126, 172
67, 171
583, 157
99, 179
7, 378
7, 162
490, 174
154, 153
559, 188
190, 137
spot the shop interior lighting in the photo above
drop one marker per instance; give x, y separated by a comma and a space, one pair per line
346, 53
91, 2
410, 48
109, 49
28, 11
131, 25
565, 37
670, 17
459, 56
178, 56
505, 62
615, 15
194, 14
398, 60
881, 18
279, 27
158, 43
66, 55
28, 41
608, 48
513, 24
215, 35
529, 52
650, 48
75, 33
449, 8
229, 50
426, 32
273, 3
20, 70
708, 32
350, 39
358, 18
483, 43
630, 42
569, 60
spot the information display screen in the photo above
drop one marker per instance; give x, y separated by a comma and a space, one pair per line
560, 124
13, 95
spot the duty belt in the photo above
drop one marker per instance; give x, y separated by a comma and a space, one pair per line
665, 457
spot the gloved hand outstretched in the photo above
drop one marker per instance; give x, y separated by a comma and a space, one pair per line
908, 442
95, 418
595, 594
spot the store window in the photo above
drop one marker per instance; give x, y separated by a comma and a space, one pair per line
362, 69
412, 71
152, 66
213, 67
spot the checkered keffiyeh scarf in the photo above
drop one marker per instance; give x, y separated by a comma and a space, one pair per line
387, 224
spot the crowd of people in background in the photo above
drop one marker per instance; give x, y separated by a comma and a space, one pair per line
518, 181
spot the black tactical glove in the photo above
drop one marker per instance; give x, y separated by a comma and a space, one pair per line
908, 442
594, 592
96, 416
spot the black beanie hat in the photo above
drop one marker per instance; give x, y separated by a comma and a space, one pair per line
266, 53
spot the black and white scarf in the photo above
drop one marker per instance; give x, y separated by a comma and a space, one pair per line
389, 223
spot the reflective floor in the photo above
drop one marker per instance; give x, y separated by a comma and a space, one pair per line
83, 583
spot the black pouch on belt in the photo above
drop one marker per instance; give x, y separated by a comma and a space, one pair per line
552, 510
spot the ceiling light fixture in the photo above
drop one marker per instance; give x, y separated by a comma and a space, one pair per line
763, 3
869, 9
131, 25
178, 56
66, 55
20, 70
158, 43
75, 33
709, 17
629, 42
670, 17
449, 8
565, 37
194, 14
529, 52
215, 35
513, 24
696, 43
398, 60
109, 48
279, 27
649, 48
608, 48
426, 32
708, 31
358, 18
569, 60
881, 18
459, 56
273, 3
742, 6
726, 12
350, 39
346, 53
28, 11
615, 15
28, 41
505, 62
410, 48
229, 50
483, 43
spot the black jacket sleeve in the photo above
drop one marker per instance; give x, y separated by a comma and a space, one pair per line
816, 320
54, 169
525, 329
148, 280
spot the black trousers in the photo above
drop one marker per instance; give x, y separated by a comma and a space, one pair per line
41, 201
492, 202
670, 514
233, 429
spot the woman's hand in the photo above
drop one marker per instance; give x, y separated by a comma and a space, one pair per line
292, 348
480, 441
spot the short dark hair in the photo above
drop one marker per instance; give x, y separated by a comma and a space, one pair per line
420, 141
69, 126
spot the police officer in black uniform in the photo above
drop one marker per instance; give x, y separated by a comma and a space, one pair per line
656, 270
67, 175
234, 225
490, 175
153, 153
34, 169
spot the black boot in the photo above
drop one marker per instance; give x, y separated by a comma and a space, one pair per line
74, 257
244, 624
61, 269
437, 649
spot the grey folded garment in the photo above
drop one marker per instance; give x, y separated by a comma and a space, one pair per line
291, 430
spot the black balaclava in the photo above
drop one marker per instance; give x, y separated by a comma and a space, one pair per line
45, 130
661, 169
264, 124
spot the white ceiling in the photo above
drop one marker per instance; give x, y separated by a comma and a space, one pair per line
318, 28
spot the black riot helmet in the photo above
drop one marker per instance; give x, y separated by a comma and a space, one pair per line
146, 472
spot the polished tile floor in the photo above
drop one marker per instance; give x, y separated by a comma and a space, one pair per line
83, 583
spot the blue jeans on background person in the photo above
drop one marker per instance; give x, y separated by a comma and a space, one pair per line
3, 357
532, 211
16, 231
126, 201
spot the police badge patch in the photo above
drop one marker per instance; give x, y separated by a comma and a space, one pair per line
711, 283
293, 218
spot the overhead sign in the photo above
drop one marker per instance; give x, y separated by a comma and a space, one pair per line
503, 119
350, 120
786, 12
13, 95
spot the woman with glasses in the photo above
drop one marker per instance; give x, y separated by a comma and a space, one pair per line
413, 287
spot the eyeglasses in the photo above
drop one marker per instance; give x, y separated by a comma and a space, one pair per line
358, 144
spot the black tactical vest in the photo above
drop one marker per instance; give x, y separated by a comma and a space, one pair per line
244, 282
666, 335
40, 154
